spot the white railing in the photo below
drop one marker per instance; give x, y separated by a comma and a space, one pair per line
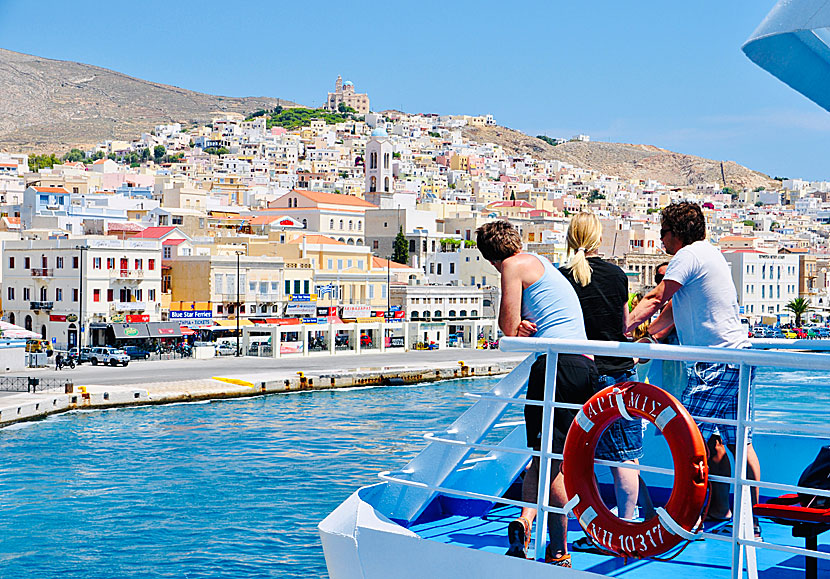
742, 539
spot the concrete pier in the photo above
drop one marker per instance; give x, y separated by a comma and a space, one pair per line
16, 407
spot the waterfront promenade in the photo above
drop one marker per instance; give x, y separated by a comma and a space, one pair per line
166, 381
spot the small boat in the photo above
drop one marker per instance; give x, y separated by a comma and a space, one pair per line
445, 514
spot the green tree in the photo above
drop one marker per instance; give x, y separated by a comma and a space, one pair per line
730, 191
400, 252
145, 154
158, 152
798, 307
749, 222
73, 156
344, 108
759, 188
37, 162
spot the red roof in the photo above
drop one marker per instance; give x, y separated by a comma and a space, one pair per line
316, 239
510, 204
172, 241
116, 226
334, 198
155, 232
50, 189
380, 263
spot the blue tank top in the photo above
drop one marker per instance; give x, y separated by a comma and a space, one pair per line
552, 304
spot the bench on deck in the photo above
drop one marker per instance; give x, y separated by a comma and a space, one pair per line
806, 522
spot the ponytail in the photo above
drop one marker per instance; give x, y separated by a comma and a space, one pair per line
584, 235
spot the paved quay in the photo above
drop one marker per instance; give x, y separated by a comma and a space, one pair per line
165, 381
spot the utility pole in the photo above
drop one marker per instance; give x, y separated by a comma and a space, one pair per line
81, 249
238, 253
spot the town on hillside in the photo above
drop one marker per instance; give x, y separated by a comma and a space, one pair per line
321, 218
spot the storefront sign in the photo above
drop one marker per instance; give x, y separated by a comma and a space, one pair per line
137, 318
71, 318
190, 314
117, 318
130, 332
326, 312
309, 320
56, 318
301, 310
302, 298
356, 311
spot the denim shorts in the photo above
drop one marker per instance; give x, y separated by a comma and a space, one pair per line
622, 440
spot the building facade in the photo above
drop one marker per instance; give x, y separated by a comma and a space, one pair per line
344, 93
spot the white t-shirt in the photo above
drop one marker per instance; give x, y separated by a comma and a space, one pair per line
706, 307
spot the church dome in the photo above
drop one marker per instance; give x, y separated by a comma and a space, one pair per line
379, 132
348, 83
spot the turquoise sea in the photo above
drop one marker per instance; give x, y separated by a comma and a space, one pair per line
231, 488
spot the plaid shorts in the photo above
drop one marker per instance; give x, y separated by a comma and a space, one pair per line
712, 392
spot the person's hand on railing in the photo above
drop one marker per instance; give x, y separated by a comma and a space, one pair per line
526, 329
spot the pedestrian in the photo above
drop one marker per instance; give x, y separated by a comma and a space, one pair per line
602, 289
705, 312
537, 300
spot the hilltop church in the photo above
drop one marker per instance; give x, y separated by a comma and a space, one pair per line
344, 93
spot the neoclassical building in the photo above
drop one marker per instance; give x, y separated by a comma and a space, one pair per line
344, 93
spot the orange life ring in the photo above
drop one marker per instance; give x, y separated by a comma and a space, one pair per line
681, 513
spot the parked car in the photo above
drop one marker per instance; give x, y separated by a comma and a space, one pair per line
823, 332
105, 355
225, 349
777, 334
801, 333
790, 334
82, 356
137, 353
38, 345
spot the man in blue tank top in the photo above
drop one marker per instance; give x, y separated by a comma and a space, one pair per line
537, 301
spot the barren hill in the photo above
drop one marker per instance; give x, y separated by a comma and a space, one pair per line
52, 105
626, 161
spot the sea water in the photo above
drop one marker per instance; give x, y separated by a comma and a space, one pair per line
231, 488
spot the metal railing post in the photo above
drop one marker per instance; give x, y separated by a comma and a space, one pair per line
742, 503
543, 492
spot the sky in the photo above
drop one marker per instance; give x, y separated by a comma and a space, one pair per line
669, 74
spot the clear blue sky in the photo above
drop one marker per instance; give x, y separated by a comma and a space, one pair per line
663, 73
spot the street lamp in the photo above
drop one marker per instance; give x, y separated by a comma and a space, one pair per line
81, 249
238, 253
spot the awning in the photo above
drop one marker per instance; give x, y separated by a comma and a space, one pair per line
164, 329
128, 331
232, 323
187, 331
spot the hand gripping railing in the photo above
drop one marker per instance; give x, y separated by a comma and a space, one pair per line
742, 541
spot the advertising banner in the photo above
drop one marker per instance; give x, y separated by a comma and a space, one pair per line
300, 310
137, 318
302, 298
190, 314
356, 311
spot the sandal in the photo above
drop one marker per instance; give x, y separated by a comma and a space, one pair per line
518, 535
585, 545
560, 561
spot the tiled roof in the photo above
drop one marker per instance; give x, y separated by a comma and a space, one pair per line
119, 226
321, 239
50, 189
334, 198
380, 263
155, 232
172, 241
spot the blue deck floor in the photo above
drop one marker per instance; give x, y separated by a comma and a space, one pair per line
707, 559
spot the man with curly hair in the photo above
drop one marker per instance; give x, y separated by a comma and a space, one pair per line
705, 312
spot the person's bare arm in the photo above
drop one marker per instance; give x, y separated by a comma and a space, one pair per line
651, 302
664, 323
510, 309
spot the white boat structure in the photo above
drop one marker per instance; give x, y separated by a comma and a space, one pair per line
445, 513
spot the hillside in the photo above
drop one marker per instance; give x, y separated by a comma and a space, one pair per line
51, 105
626, 161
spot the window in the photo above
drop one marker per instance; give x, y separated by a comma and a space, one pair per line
383, 291
371, 291
472, 280
412, 246
11, 262
432, 268
339, 264
452, 268
306, 286
359, 225
59, 262
27, 263
75, 294
287, 287
109, 295
96, 295
75, 262
11, 293
151, 295
439, 269
166, 253
351, 224
348, 263
139, 264
139, 294
252, 287
296, 286
375, 244
151, 264
359, 264
330, 264
110, 263
263, 287
331, 223
341, 225
96, 263
176, 220
275, 287
27, 294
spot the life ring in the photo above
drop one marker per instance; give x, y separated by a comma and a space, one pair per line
674, 522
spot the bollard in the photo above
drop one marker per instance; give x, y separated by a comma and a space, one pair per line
33, 384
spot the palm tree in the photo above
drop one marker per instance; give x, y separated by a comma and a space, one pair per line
799, 307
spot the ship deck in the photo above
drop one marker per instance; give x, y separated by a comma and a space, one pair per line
708, 558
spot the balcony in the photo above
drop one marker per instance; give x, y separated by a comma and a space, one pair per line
127, 274
41, 305
41, 272
130, 306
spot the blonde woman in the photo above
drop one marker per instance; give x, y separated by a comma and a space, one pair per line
602, 289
